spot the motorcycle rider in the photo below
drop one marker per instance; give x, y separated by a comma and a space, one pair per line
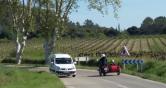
102, 64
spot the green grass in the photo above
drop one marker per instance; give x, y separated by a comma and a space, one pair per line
152, 69
19, 78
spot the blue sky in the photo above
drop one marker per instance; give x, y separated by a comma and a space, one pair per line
131, 13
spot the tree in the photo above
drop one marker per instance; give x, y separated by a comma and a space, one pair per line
53, 15
133, 30
78, 24
4, 21
21, 19
156, 26
146, 25
161, 20
147, 21
88, 23
51, 18
159, 24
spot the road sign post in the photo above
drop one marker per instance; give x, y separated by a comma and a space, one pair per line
124, 66
138, 63
141, 67
137, 67
124, 53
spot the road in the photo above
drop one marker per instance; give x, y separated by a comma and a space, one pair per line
90, 79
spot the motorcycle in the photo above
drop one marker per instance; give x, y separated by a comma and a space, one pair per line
110, 68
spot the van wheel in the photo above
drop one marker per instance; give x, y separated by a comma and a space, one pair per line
73, 75
51, 70
100, 74
104, 74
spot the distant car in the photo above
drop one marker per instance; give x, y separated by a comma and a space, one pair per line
62, 65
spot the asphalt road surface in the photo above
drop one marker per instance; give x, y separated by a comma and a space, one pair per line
91, 79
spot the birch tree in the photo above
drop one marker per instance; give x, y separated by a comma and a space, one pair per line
53, 14
21, 16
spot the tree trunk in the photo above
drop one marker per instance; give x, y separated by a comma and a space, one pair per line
18, 48
49, 45
20, 44
47, 51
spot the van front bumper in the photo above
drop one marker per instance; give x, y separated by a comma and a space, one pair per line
68, 73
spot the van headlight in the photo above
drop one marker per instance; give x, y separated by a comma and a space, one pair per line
73, 67
57, 67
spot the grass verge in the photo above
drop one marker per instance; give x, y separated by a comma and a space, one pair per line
19, 78
152, 69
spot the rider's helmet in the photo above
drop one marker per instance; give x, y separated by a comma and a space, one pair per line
113, 61
103, 55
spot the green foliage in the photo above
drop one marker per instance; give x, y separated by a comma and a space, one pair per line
148, 65
149, 26
91, 62
5, 20
133, 30
152, 69
147, 21
89, 29
46, 20
19, 78
101, 5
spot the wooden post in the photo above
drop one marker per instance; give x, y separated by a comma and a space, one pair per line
124, 66
78, 61
86, 59
141, 67
137, 67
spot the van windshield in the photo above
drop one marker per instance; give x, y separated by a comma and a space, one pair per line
63, 60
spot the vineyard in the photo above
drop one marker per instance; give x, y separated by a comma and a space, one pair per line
152, 46
137, 46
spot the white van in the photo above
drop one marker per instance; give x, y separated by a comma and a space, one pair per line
62, 65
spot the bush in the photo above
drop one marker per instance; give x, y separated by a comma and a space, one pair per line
91, 62
148, 65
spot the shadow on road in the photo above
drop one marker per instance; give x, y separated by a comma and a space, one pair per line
65, 77
101, 76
